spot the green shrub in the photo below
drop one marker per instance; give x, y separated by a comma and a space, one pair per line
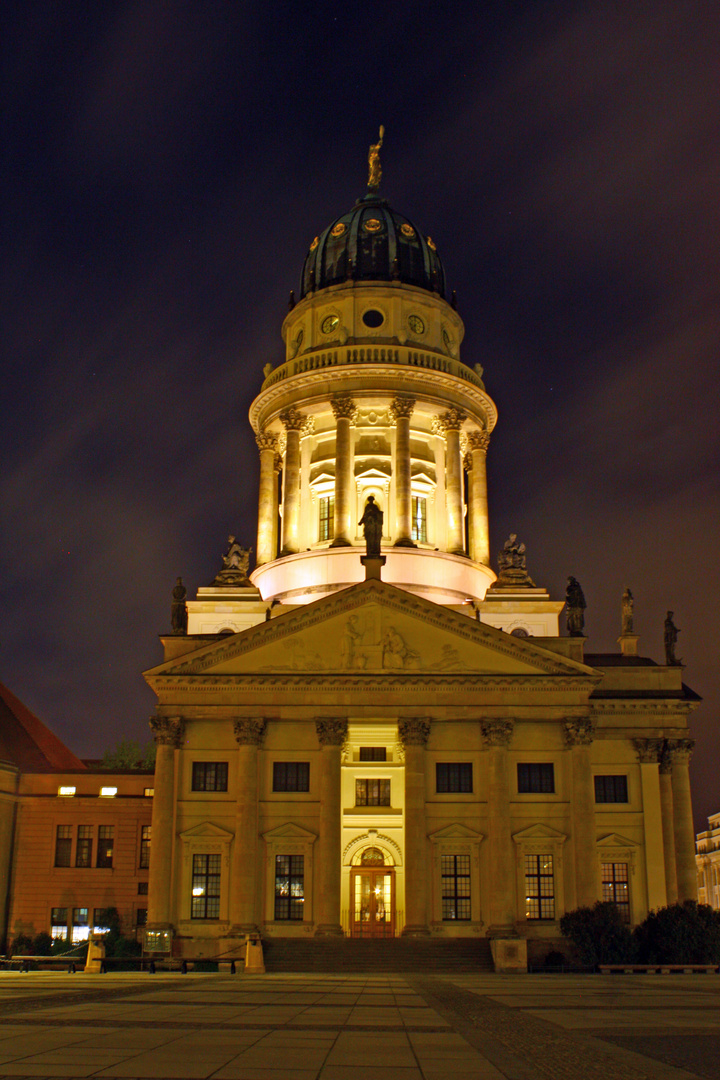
687, 933
599, 934
21, 945
42, 944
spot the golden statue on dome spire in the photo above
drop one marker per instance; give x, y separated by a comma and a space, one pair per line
374, 169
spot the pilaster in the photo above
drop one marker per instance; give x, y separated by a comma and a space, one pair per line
249, 735
679, 752
578, 734
414, 735
649, 753
331, 736
169, 734
497, 736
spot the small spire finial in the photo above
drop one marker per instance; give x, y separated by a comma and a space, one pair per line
374, 169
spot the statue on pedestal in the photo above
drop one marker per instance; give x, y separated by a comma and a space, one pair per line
236, 563
178, 610
512, 565
575, 608
670, 637
628, 603
372, 523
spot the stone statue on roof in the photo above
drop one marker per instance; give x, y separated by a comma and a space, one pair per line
374, 168
575, 608
236, 563
372, 523
670, 639
512, 565
178, 609
628, 602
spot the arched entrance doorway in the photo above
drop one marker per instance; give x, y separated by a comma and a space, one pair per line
372, 896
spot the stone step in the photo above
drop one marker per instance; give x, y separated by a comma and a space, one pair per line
386, 955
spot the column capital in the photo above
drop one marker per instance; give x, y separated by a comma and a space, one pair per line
331, 732
343, 406
579, 731
414, 732
277, 463
168, 730
677, 751
649, 751
452, 420
402, 406
292, 419
478, 440
266, 441
249, 732
497, 732
467, 462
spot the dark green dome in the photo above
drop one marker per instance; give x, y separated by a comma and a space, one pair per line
372, 243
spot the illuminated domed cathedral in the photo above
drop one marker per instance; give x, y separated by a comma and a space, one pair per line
373, 734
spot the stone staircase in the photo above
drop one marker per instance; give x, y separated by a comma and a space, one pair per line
359, 955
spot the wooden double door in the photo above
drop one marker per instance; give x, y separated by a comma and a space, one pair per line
372, 892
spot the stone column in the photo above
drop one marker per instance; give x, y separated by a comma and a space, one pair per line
680, 750
169, 734
343, 408
649, 752
402, 409
478, 442
578, 738
452, 421
667, 812
267, 445
497, 735
293, 421
414, 736
277, 469
326, 886
9, 777
249, 735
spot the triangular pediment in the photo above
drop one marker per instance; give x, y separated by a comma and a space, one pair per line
456, 831
374, 628
614, 840
539, 832
288, 831
206, 831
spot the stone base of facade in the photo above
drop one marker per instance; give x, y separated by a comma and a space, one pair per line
509, 954
329, 930
415, 931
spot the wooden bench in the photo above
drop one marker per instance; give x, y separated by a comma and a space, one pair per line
658, 969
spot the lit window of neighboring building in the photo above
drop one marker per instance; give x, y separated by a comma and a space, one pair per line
106, 839
145, 838
59, 922
455, 870
210, 776
80, 928
289, 886
536, 778
419, 519
291, 776
372, 792
615, 887
454, 776
611, 789
63, 845
206, 887
83, 849
326, 523
539, 887
101, 921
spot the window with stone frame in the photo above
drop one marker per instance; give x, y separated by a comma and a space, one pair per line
611, 789
539, 887
373, 753
372, 792
289, 887
106, 841
616, 888
206, 887
454, 776
63, 845
455, 871
419, 519
536, 777
145, 838
210, 776
83, 848
326, 522
59, 922
291, 776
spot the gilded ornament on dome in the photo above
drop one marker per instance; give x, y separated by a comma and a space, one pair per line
372, 225
315, 243
329, 323
407, 230
431, 243
449, 343
338, 230
416, 324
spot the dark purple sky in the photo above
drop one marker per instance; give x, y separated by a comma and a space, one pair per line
167, 163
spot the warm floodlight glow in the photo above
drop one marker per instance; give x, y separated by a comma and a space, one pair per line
66, 791
108, 792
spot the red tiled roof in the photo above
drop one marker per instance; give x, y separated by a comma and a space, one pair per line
27, 742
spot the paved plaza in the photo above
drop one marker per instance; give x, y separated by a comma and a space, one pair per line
336, 1027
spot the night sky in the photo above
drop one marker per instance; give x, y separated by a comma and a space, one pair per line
167, 163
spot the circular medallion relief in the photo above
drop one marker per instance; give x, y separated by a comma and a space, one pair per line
338, 230
372, 225
329, 323
416, 324
373, 318
407, 230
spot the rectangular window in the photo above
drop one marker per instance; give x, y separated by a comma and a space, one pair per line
372, 792
106, 839
142, 888
83, 850
611, 789
63, 845
455, 870
419, 519
59, 922
536, 778
209, 776
453, 776
289, 886
615, 887
141, 917
539, 887
327, 518
101, 920
206, 887
145, 837
373, 753
80, 928
291, 776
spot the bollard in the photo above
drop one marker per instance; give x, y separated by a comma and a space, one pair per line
254, 962
232, 967
183, 967
151, 968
